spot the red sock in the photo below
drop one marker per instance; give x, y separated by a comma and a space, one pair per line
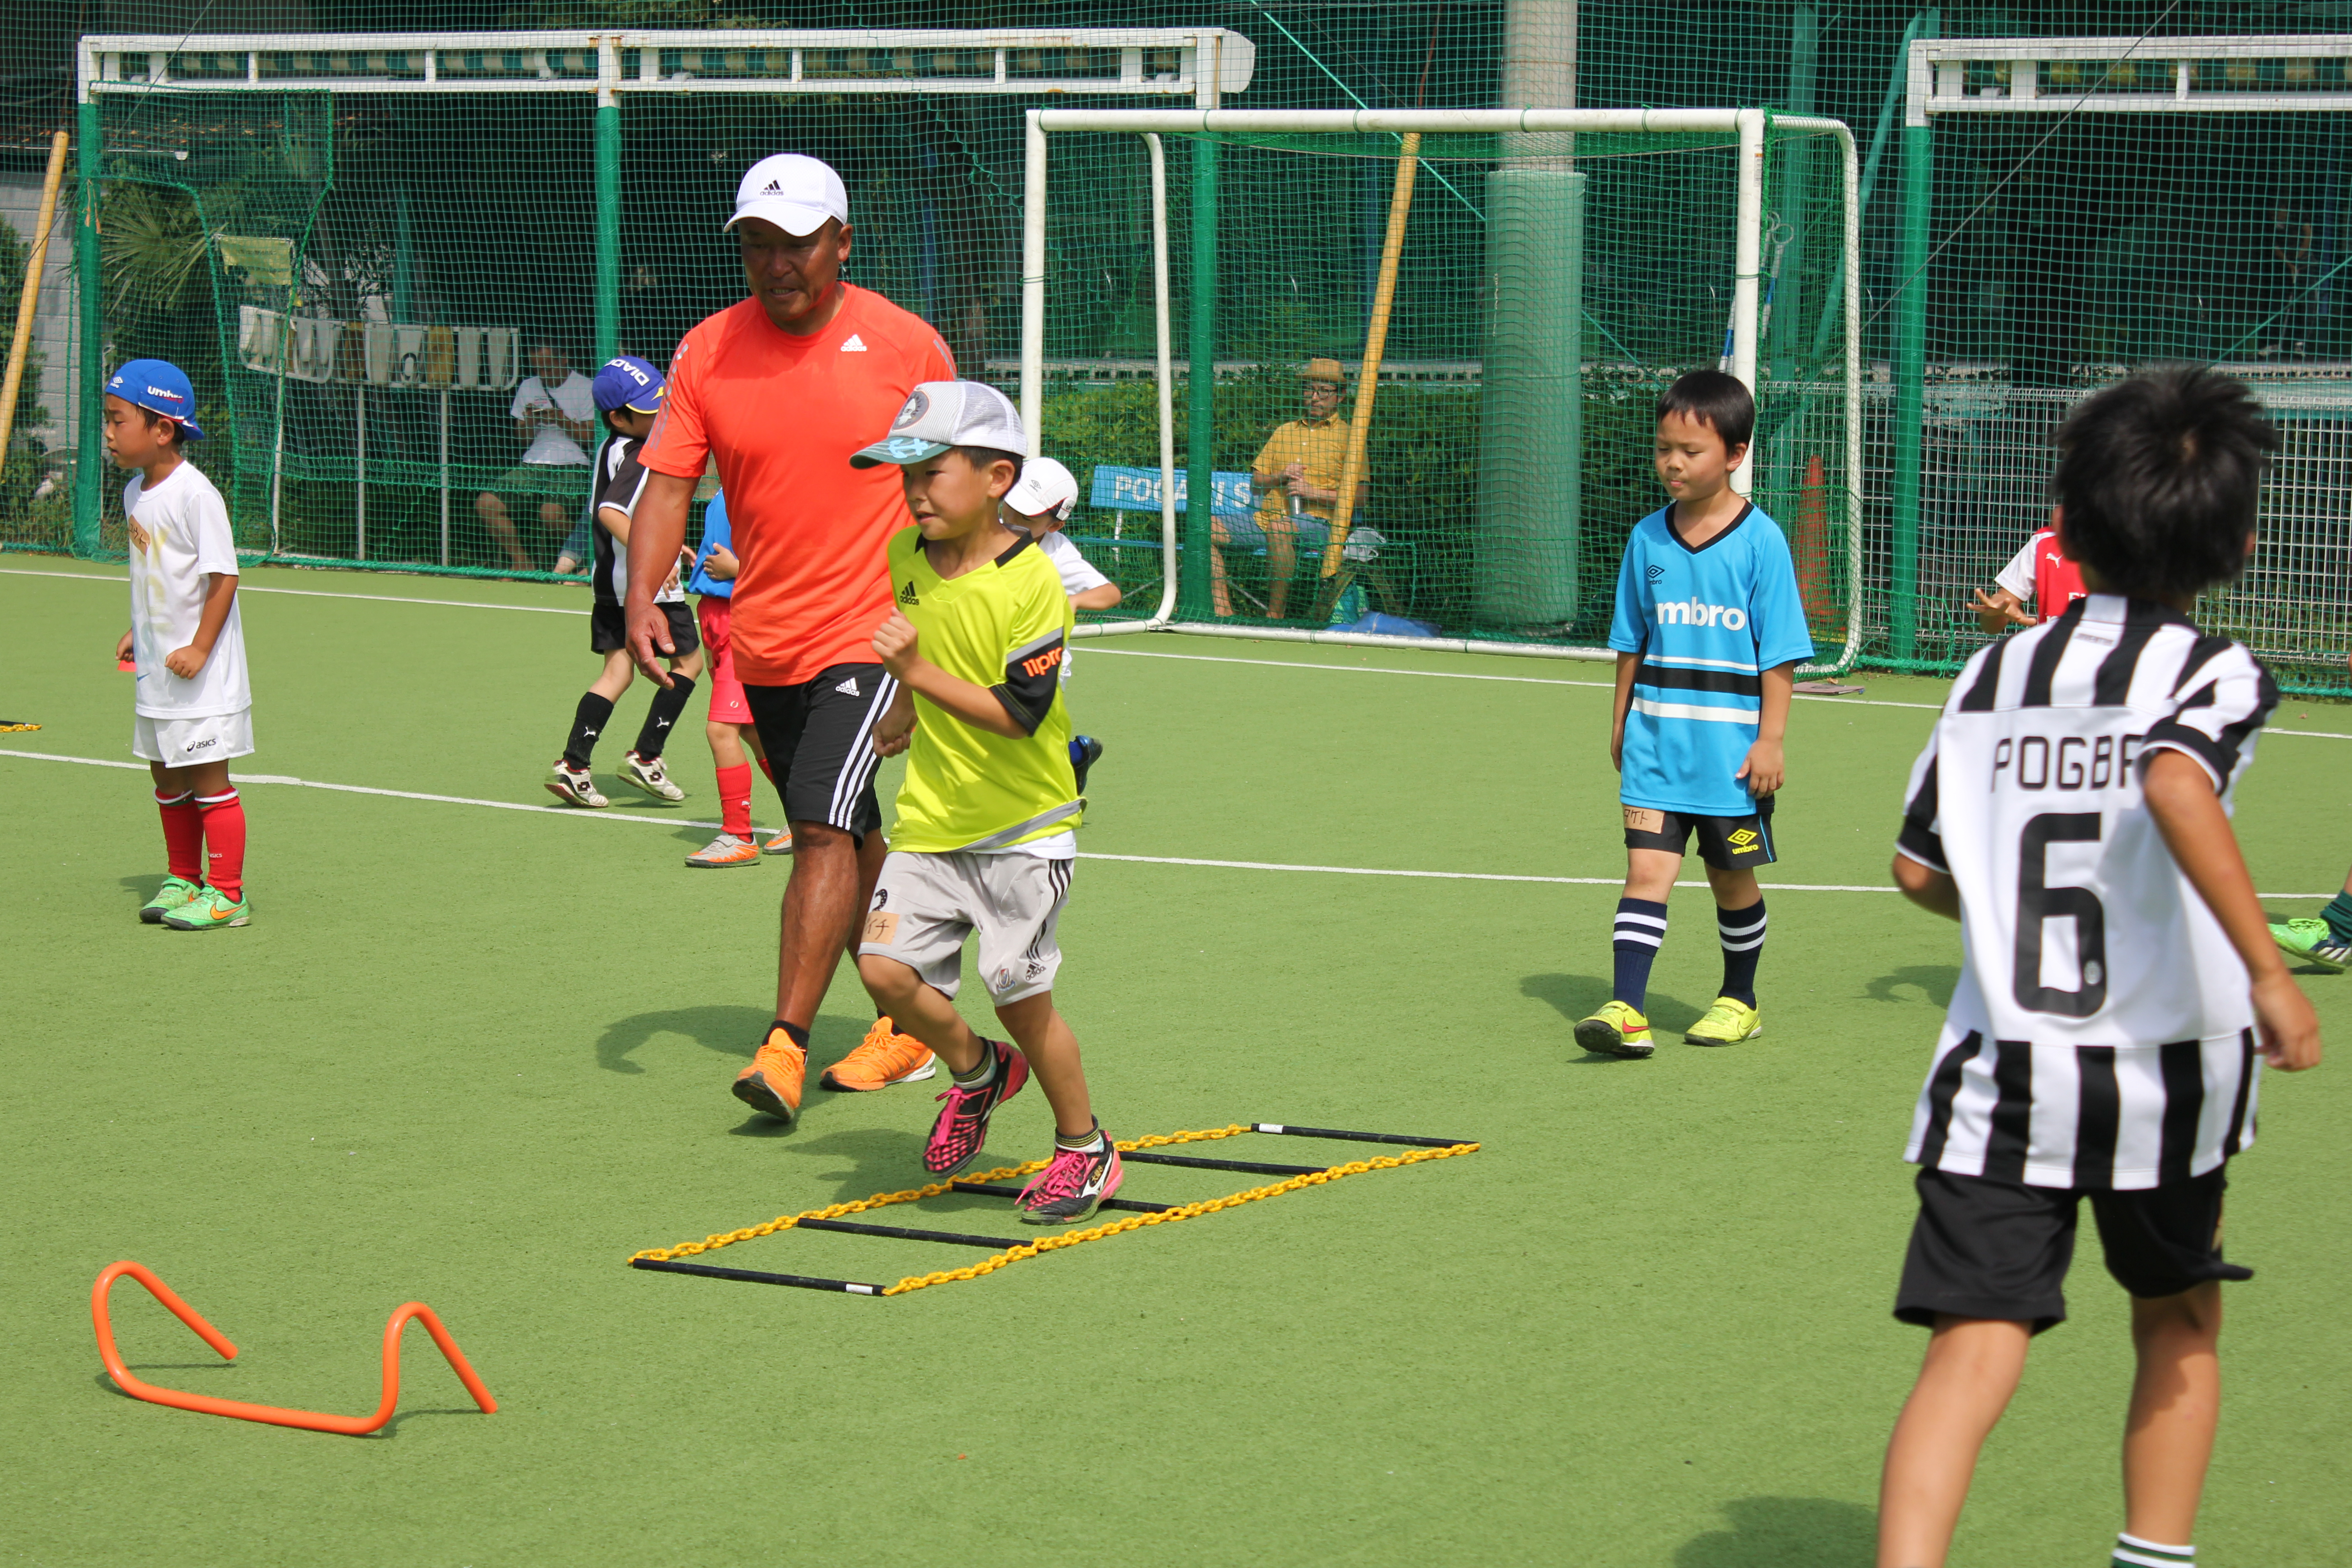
735, 799
224, 842
183, 834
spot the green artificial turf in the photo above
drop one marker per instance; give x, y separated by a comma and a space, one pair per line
476, 1058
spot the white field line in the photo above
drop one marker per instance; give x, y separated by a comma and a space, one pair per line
1093, 649
320, 594
1135, 859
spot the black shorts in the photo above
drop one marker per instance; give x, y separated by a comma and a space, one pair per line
1728, 843
819, 737
608, 628
1984, 1249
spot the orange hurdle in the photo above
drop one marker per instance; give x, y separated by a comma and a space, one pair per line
309, 1420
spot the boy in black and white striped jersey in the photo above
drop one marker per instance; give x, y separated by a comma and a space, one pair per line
2117, 979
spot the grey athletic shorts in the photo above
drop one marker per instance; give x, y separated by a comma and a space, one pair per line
925, 905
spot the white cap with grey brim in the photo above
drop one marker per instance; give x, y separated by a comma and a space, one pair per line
944, 414
1046, 488
794, 192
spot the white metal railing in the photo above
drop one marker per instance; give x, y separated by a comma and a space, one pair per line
1159, 62
2303, 73
1748, 125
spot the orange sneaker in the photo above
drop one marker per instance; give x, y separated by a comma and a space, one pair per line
772, 1084
883, 1057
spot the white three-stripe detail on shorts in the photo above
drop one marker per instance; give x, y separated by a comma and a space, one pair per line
862, 760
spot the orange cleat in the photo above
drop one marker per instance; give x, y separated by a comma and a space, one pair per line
883, 1057
772, 1084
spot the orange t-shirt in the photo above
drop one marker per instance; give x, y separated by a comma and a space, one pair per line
782, 414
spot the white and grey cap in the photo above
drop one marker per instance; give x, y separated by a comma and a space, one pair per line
794, 192
1046, 488
944, 414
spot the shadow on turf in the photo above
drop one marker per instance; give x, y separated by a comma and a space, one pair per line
1935, 981
1800, 1531
140, 888
1575, 996
729, 1031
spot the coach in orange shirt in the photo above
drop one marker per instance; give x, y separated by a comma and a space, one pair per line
780, 389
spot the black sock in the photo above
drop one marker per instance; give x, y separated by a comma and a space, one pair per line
1742, 932
798, 1036
663, 715
1641, 930
589, 723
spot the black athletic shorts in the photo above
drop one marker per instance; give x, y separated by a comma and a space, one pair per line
1984, 1249
1729, 843
608, 628
819, 737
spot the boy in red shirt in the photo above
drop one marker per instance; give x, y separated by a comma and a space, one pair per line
2039, 572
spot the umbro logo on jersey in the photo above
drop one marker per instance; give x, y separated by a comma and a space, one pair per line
855, 345
1657, 572
848, 688
1691, 613
907, 594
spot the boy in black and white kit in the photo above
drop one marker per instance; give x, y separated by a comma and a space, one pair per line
629, 394
2118, 980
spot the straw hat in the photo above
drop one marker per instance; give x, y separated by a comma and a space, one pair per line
1324, 370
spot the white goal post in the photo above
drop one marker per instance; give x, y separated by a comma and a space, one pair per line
1749, 125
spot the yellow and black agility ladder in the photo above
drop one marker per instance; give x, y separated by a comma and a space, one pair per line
1296, 1178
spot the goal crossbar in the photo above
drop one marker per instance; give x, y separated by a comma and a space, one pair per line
1748, 125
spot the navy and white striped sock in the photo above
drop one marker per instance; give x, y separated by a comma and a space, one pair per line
1742, 932
1640, 931
2131, 1552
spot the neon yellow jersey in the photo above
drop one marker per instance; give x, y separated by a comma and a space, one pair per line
1005, 626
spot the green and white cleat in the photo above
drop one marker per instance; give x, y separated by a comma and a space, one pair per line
2306, 941
209, 910
175, 892
1616, 1030
1727, 1022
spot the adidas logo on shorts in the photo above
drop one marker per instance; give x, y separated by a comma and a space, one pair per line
848, 688
907, 594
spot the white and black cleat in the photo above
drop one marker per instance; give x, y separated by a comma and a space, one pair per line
572, 786
651, 775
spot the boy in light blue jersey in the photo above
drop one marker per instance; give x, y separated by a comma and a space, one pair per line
1708, 631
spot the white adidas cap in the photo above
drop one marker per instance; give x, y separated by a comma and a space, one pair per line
944, 414
793, 191
1046, 486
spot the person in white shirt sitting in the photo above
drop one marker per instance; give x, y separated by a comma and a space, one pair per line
554, 413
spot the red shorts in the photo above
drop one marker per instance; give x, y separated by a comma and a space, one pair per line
728, 705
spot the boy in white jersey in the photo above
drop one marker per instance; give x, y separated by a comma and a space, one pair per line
1709, 630
984, 840
2072, 811
1038, 506
195, 707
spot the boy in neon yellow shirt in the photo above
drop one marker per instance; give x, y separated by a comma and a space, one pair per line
984, 841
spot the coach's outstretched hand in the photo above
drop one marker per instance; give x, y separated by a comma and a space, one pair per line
649, 641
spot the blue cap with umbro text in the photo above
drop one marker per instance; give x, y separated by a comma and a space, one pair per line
160, 387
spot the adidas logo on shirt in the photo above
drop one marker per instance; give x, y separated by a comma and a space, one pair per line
855, 345
907, 594
848, 688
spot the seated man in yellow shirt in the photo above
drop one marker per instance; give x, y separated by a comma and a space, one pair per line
1296, 474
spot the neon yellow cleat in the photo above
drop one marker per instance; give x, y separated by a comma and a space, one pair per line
1616, 1030
1727, 1022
